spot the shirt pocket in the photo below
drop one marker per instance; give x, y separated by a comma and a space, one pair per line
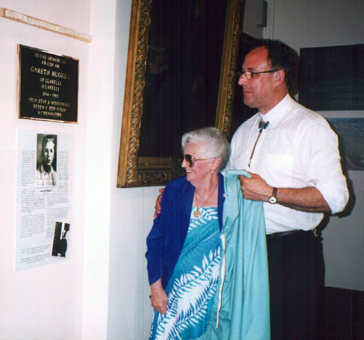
279, 168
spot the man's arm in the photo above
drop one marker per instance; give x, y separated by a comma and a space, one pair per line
307, 199
158, 205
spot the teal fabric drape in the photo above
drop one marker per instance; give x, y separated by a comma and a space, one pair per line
243, 288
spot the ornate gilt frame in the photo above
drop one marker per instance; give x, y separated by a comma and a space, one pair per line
134, 171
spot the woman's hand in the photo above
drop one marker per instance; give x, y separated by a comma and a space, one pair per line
158, 297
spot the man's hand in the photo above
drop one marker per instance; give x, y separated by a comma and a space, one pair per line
255, 188
158, 206
307, 199
158, 297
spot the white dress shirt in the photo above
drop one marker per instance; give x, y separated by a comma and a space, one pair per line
298, 149
45, 178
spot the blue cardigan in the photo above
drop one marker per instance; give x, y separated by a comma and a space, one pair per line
167, 236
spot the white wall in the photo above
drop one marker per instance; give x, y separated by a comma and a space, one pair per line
313, 23
130, 313
117, 220
45, 302
253, 18
101, 291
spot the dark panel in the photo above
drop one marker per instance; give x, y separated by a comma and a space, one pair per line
332, 78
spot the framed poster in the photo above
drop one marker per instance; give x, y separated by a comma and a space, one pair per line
44, 187
351, 136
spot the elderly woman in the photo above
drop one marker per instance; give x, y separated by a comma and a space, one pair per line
184, 246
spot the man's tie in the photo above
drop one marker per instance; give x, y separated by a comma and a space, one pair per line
262, 126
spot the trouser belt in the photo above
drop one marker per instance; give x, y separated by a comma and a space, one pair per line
291, 233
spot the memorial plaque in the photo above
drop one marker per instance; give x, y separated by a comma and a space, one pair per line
48, 85
332, 78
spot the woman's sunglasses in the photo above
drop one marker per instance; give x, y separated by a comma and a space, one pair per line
190, 160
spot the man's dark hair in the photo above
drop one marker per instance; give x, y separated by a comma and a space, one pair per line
48, 138
284, 57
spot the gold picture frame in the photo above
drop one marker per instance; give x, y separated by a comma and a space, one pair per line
134, 171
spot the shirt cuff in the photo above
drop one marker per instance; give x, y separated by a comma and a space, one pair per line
335, 194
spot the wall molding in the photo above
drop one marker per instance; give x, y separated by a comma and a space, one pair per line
48, 26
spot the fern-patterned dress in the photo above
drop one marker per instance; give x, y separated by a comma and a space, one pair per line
193, 284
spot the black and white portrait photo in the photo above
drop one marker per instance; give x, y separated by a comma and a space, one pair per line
61, 231
46, 172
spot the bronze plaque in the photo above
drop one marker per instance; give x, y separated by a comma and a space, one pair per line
48, 85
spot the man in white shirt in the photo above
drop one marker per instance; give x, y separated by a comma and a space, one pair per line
294, 163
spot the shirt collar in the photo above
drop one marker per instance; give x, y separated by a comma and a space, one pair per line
277, 113
42, 170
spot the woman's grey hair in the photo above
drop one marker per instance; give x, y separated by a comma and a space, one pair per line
214, 143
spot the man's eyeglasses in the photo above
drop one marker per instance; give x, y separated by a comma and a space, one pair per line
250, 74
190, 160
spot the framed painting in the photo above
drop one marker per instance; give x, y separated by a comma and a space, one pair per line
181, 75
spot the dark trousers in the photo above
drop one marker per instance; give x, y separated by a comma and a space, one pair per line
295, 270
